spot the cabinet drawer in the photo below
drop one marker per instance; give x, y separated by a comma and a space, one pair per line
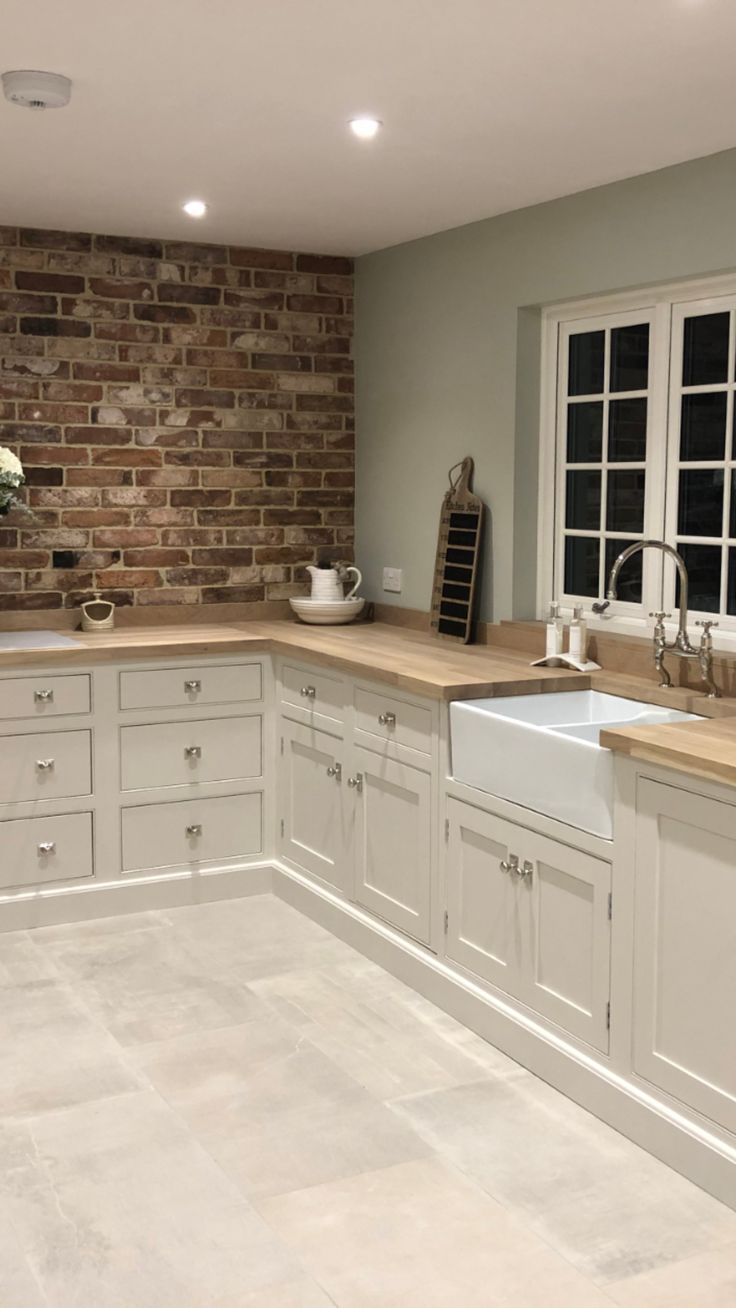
394, 719
184, 753
316, 692
204, 683
42, 696
191, 831
45, 765
35, 850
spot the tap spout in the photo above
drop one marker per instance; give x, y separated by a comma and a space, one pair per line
682, 640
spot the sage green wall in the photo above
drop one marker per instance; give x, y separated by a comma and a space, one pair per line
447, 357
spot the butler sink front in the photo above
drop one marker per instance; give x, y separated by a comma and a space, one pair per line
543, 751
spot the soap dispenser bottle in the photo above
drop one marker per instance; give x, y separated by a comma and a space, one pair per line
555, 629
578, 636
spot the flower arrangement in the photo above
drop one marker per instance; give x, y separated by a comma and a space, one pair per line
12, 478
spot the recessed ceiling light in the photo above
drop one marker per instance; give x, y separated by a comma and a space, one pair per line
366, 128
195, 208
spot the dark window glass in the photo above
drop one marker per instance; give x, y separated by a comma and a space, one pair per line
625, 506
581, 565
583, 508
732, 526
705, 350
731, 596
703, 426
627, 431
585, 432
700, 504
630, 358
585, 376
628, 586
703, 563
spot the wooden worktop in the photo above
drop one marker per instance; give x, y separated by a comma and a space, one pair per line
701, 749
408, 660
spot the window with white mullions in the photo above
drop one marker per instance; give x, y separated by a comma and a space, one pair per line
701, 513
604, 419
639, 441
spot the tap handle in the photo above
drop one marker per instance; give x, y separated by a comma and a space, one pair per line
660, 616
706, 624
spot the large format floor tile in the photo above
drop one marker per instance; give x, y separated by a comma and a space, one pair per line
384, 1034
607, 1206
273, 1110
115, 1204
421, 1234
705, 1281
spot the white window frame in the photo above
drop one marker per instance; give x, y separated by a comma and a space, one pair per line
665, 307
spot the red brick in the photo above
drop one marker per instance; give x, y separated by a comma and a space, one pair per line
233, 595
229, 558
324, 263
163, 517
133, 245
55, 283
80, 392
18, 302
119, 288
193, 252
133, 496
99, 477
127, 331
196, 576
95, 310
155, 558
119, 538
28, 600
106, 372
95, 517
124, 579
129, 457
200, 499
57, 455
54, 327
52, 240
279, 259
97, 435
314, 303
174, 293
164, 313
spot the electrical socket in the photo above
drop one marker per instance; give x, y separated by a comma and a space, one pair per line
393, 579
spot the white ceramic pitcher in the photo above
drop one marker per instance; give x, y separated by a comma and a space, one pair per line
327, 586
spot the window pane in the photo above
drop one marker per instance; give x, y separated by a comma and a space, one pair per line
703, 563
585, 432
731, 597
703, 426
585, 375
583, 501
700, 505
705, 349
630, 358
627, 431
581, 565
629, 579
625, 507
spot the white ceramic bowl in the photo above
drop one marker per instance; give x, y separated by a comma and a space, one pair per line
326, 613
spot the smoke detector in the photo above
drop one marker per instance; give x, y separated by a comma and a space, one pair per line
35, 90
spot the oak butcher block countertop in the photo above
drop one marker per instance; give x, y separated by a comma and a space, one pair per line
408, 660
701, 749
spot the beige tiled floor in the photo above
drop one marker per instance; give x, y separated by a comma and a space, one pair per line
225, 1107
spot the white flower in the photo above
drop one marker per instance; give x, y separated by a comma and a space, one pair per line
9, 462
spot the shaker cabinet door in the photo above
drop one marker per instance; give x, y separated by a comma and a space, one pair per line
393, 841
685, 948
315, 834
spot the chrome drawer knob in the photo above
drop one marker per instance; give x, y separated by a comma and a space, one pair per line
44, 764
43, 696
387, 719
192, 687
308, 692
193, 751
356, 782
194, 829
47, 847
510, 864
335, 770
525, 871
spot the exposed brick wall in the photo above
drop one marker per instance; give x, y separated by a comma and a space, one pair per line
184, 414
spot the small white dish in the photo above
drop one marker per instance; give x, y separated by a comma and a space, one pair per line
326, 613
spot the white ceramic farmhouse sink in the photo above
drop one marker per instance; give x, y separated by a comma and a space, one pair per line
35, 640
543, 751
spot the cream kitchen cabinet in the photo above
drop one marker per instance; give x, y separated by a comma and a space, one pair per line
315, 832
393, 840
685, 947
356, 798
530, 915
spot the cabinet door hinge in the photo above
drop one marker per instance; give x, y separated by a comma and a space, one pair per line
447, 921
610, 907
282, 826
447, 828
608, 1015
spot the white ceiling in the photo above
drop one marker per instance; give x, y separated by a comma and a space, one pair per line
489, 105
